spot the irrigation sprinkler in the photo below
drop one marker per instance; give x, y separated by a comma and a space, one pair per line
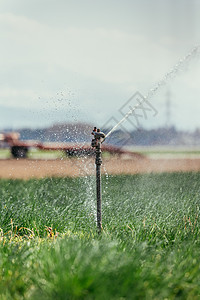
98, 139
99, 136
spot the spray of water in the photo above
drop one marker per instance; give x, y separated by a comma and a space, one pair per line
106, 202
171, 74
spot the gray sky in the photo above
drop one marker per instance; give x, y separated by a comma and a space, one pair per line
78, 60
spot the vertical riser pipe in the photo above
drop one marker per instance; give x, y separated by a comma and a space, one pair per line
98, 184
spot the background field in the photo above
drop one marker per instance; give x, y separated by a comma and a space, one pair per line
148, 151
149, 248
42, 164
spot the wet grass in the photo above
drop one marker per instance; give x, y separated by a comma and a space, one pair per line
149, 247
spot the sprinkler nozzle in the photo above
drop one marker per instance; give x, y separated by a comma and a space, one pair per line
98, 137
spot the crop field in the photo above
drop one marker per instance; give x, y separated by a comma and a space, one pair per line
163, 152
149, 247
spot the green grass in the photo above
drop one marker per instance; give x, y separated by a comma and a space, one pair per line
174, 153
162, 151
46, 154
4, 153
149, 152
35, 154
149, 248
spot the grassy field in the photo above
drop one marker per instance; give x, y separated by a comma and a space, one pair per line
149, 248
167, 152
151, 152
35, 154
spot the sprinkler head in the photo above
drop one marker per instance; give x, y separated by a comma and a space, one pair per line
98, 134
98, 137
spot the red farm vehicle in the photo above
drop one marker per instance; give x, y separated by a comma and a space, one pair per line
19, 148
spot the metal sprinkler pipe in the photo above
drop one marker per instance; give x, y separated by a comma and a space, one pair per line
98, 139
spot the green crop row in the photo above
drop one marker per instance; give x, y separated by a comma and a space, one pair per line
149, 247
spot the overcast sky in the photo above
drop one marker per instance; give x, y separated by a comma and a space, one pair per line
64, 61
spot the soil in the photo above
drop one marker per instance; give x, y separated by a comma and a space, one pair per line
29, 168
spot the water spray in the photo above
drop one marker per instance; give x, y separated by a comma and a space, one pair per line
99, 136
98, 139
171, 74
